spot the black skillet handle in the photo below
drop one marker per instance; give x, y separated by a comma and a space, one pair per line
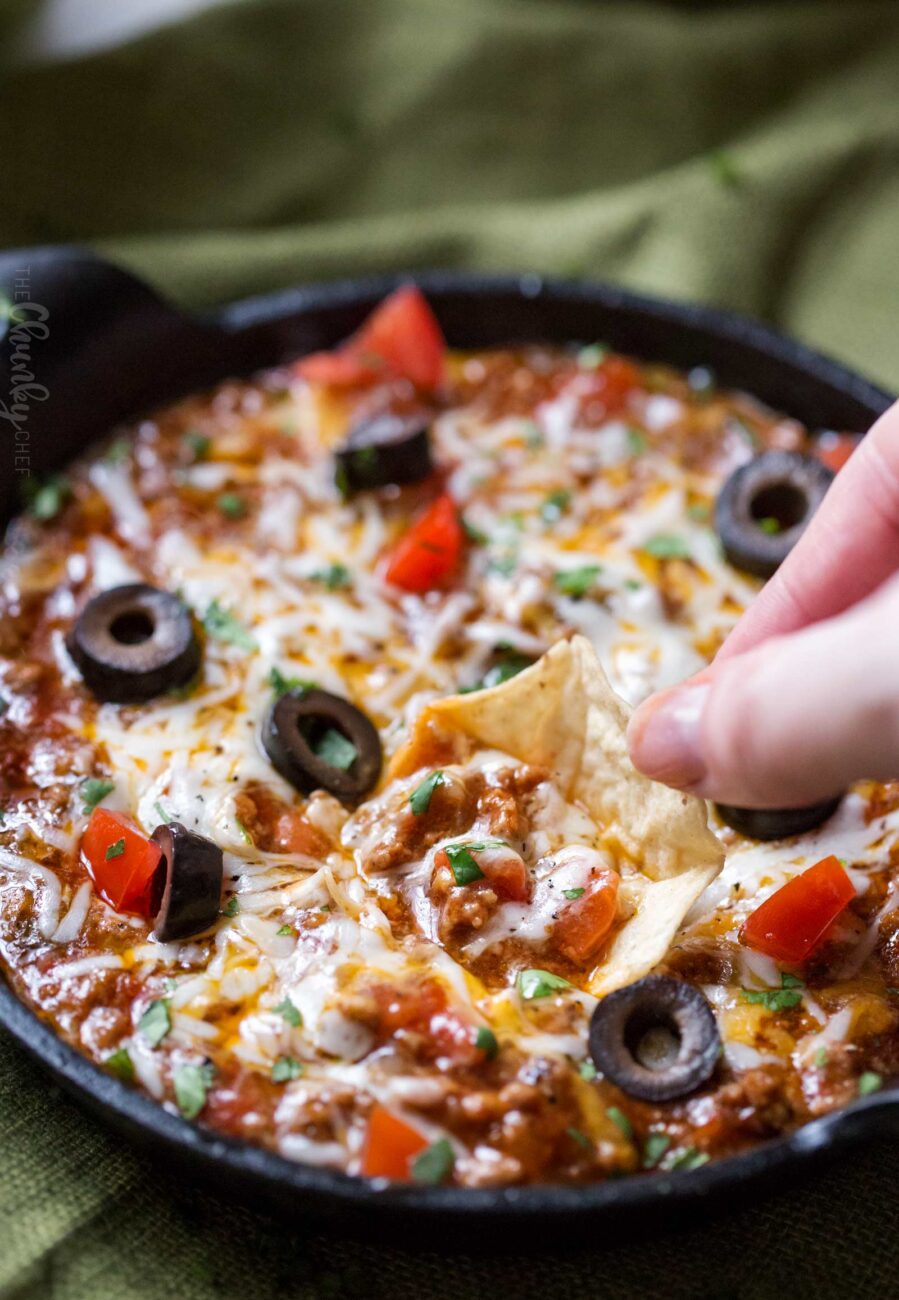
84, 345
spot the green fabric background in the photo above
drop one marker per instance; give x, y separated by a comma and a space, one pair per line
275, 141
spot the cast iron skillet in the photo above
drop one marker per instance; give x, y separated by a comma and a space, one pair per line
112, 348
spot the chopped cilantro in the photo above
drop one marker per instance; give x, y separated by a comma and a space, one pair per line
586, 1069
285, 1069
619, 1118
700, 511
281, 684
225, 627
121, 1064
243, 832
782, 999
161, 812
869, 1082
156, 1022
117, 451
485, 1041
342, 480
769, 525
821, 1057
573, 893
537, 983
420, 798
232, 505
509, 667
632, 584
555, 505
636, 441
687, 1158
192, 1083
435, 1163
116, 849
473, 533
724, 168
463, 866
335, 577
46, 499
667, 546
289, 1012
654, 1148
232, 907
592, 356
580, 1138
283, 930
577, 582
334, 749
94, 791
197, 444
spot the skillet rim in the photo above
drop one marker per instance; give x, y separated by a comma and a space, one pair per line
325, 1190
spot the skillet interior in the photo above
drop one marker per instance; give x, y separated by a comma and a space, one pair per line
115, 349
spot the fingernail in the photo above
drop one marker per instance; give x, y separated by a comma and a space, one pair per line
666, 745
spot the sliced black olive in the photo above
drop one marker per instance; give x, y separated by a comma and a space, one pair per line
764, 507
776, 823
656, 1039
385, 449
318, 741
191, 875
131, 643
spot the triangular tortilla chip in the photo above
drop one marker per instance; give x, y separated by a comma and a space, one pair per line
563, 715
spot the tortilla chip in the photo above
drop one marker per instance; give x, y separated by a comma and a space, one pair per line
563, 715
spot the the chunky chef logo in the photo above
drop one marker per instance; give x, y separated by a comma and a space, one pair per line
22, 324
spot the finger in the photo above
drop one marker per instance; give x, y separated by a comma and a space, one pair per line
787, 723
850, 547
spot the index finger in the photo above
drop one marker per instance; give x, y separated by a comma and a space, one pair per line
850, 547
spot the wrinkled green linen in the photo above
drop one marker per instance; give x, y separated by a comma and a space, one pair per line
747, 156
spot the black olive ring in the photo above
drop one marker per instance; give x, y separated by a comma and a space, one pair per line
134, 642
656, 1039
385, 449
190, 882
764, 507
776, 823
293, 730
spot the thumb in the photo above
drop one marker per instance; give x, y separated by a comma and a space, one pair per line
792, 721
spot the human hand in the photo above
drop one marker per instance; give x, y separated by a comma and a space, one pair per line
803, 697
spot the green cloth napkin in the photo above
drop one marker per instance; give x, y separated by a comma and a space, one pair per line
746, 155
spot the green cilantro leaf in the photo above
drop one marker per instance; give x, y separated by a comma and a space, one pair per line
198, 444
580, 1138
281, 684
243, 832
536, 983
577, 582
636, 441
285, 1069
225, 627
334, 749
555, 505
573, 893
435, 1163
117, 452
335, 577
586, 1069
232, 505
486, 1041
420, 798
820, 1058
290, 1013
473, 533
48, 498
121, 1065
283, 930
768, 525
782, 999
619, 1118
116, 849
592, 356
232, 907
654, 1148
667, 546
463, 865
192, 1083
161, 812
94, 791
869, 1082
688, 1158
156, 1022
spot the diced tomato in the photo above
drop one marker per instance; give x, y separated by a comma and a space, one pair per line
430, 551
834, 449
505, 870
401, 339
121, 861
791, 924
294, 834
408, 1006
612, 382
583, 924
390, 1146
